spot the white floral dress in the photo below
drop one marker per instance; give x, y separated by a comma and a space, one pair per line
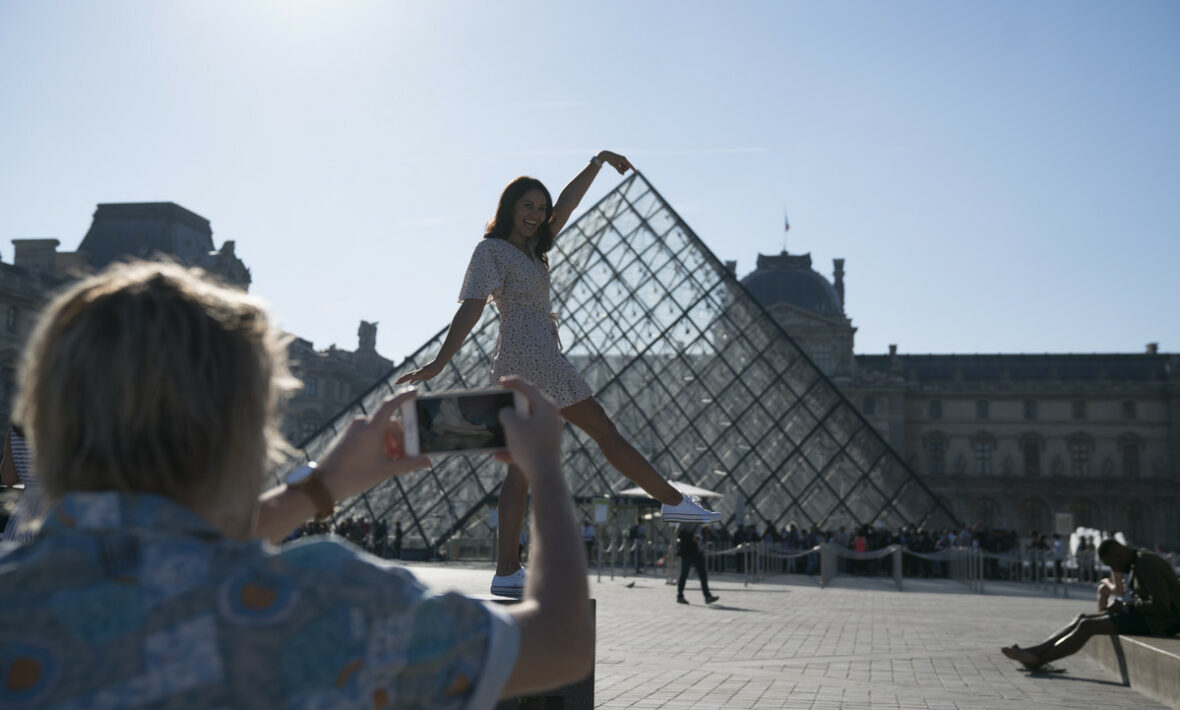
528, 344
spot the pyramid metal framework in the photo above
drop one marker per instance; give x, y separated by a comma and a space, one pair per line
692, 370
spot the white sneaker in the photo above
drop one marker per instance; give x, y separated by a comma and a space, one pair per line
689, 510
510, 585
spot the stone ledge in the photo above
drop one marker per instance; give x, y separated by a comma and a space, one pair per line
1147, 664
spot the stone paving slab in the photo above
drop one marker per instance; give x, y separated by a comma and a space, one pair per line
786, 643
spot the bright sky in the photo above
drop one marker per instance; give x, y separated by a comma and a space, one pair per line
1001, 176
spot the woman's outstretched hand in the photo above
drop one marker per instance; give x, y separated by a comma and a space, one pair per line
427, 372
616, 161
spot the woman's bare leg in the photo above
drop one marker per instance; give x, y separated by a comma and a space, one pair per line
1063, 642
1061, 633
589, 416
1072, 643
514, 496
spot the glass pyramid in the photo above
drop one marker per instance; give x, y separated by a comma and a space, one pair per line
692, 370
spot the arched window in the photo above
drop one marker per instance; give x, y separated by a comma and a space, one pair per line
1034, 515
1138, 525
1085, 513
986, 512
1081, 445
1130, 447
936, 454
1031, 446
983, 444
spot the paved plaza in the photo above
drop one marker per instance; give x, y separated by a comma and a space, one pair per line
786, 643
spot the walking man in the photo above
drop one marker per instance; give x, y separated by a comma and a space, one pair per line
688, 537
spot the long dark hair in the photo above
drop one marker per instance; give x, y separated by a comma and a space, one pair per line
501, 225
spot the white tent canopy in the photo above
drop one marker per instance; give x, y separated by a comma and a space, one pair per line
686, 489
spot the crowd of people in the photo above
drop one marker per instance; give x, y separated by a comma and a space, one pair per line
373, 536
1076, 558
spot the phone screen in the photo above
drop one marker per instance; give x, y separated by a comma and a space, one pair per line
461, 422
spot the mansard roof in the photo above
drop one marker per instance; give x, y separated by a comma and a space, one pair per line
143, 229
1130, 367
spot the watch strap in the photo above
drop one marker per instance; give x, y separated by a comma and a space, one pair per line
314, 487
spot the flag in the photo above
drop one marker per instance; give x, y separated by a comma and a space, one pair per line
786, 222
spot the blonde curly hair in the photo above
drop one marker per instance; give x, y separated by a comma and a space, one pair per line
151, 377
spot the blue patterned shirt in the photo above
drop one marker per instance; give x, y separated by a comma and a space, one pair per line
135, 601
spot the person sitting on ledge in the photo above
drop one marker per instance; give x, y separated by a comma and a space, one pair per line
149, 395
1154, 612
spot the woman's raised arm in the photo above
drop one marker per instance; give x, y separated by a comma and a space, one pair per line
573, 193
465, 319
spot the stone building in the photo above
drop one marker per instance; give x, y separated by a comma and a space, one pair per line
331, 377
1006, 440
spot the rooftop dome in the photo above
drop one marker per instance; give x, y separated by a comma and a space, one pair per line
789, 278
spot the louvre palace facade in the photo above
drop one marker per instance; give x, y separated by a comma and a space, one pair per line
332, 378
1009, 441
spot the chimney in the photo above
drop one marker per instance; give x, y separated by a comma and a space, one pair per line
37, 255
367, 337
731, 267
893, 350
1153, 348
838, 278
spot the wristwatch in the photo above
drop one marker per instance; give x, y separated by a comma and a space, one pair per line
307, 478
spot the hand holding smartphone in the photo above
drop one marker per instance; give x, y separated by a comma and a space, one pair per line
458, 421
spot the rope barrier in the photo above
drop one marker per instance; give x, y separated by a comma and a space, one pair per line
970, 566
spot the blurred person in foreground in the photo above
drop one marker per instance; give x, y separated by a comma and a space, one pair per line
1155, 611
150, 398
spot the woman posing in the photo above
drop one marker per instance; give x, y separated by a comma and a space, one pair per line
511, 267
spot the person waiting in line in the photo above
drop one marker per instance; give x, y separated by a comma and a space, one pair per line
638, 538
589, 536
688, 547
860, 545
1058, 557
150, 397
1155, 611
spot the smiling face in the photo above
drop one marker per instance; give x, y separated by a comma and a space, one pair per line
529, 213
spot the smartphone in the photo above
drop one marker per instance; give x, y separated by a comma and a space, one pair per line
458, 421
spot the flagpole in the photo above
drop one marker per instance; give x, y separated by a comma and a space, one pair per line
786, 228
